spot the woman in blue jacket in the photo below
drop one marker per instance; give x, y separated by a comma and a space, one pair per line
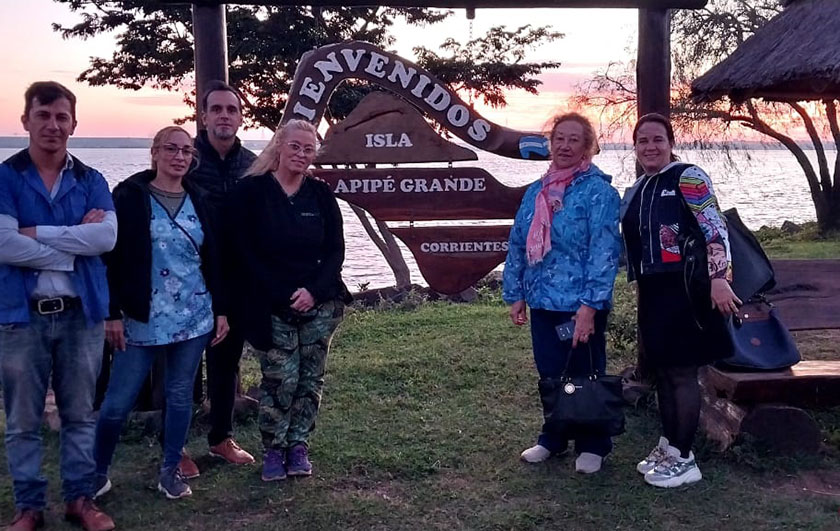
562, 261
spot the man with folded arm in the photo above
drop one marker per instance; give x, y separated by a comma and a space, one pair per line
56, 219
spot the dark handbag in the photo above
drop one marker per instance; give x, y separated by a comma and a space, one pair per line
760, 341
752, 272
583, 406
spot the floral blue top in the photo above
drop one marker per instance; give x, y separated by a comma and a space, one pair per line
181, 307
582, 264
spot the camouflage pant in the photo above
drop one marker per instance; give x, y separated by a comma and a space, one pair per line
293, 376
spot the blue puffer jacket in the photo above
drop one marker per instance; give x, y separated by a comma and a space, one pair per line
585, 245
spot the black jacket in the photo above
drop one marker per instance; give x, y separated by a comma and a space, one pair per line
663, 212
217, 177
130, 263
278, 244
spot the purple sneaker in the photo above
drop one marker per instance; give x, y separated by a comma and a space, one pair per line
273, 467
298, 461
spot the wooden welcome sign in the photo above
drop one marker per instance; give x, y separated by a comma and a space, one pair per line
387, 129
322, 69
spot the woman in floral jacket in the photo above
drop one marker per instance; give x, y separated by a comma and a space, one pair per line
562, 262
163, 280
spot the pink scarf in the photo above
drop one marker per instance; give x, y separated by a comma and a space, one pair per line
548, 201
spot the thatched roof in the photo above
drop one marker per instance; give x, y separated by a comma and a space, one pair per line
794, 57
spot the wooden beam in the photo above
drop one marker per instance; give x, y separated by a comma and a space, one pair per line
806, 384
653, 65
211, 56
475, 4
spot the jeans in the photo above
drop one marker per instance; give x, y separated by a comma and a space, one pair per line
129, 370
60, 345
222, 372
551, 355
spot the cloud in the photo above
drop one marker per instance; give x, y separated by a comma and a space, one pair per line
561, 82
60, 72
155, 100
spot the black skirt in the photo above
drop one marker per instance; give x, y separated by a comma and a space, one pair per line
673, 331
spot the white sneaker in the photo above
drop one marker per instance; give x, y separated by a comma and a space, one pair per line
659, 452
587, 463
674, 471
535, 454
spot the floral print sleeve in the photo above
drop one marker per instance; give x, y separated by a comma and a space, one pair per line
696, 187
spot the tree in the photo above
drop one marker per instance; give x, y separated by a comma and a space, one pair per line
155, 48
700, 39
155, 45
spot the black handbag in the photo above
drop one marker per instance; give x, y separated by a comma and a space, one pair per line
583, 406
760, 341
752, 272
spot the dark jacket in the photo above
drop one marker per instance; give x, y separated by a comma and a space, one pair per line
280, 244
213, 175
130, 263
671, 239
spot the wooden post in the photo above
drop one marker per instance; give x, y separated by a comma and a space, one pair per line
653, 65
211, 57
653, 94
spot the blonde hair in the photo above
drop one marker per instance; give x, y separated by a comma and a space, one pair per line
590, 138
267, 160
161, 136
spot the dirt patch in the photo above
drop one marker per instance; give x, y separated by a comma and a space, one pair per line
390, 492
812, 482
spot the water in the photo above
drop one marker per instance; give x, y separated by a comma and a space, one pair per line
767, 188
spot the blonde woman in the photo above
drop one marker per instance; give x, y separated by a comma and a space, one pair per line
287, 231
163, 281
562, 261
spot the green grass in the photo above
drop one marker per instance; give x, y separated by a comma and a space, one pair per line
424, 414
426, 408
805, 244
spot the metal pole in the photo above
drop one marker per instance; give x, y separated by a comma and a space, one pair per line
211, 58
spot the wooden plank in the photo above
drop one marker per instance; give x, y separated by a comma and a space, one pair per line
384, 129
806, 384
453, 258
424, 194
807, 293
479, 4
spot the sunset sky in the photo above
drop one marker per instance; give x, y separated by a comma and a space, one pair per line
34, 52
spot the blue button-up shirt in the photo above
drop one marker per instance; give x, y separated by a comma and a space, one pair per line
63, 243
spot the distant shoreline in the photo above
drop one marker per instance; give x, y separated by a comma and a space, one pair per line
20, 142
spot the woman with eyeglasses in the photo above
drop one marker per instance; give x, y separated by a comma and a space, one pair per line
165, 299
287, 231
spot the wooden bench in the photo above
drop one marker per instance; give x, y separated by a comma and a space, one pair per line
768, 405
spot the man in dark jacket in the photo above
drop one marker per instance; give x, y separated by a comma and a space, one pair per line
221, 163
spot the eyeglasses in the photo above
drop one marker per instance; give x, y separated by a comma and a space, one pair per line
171, 150
297, 148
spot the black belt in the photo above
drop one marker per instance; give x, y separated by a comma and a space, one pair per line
54, 305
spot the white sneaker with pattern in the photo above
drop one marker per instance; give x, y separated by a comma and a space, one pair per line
674, 471
659, 452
